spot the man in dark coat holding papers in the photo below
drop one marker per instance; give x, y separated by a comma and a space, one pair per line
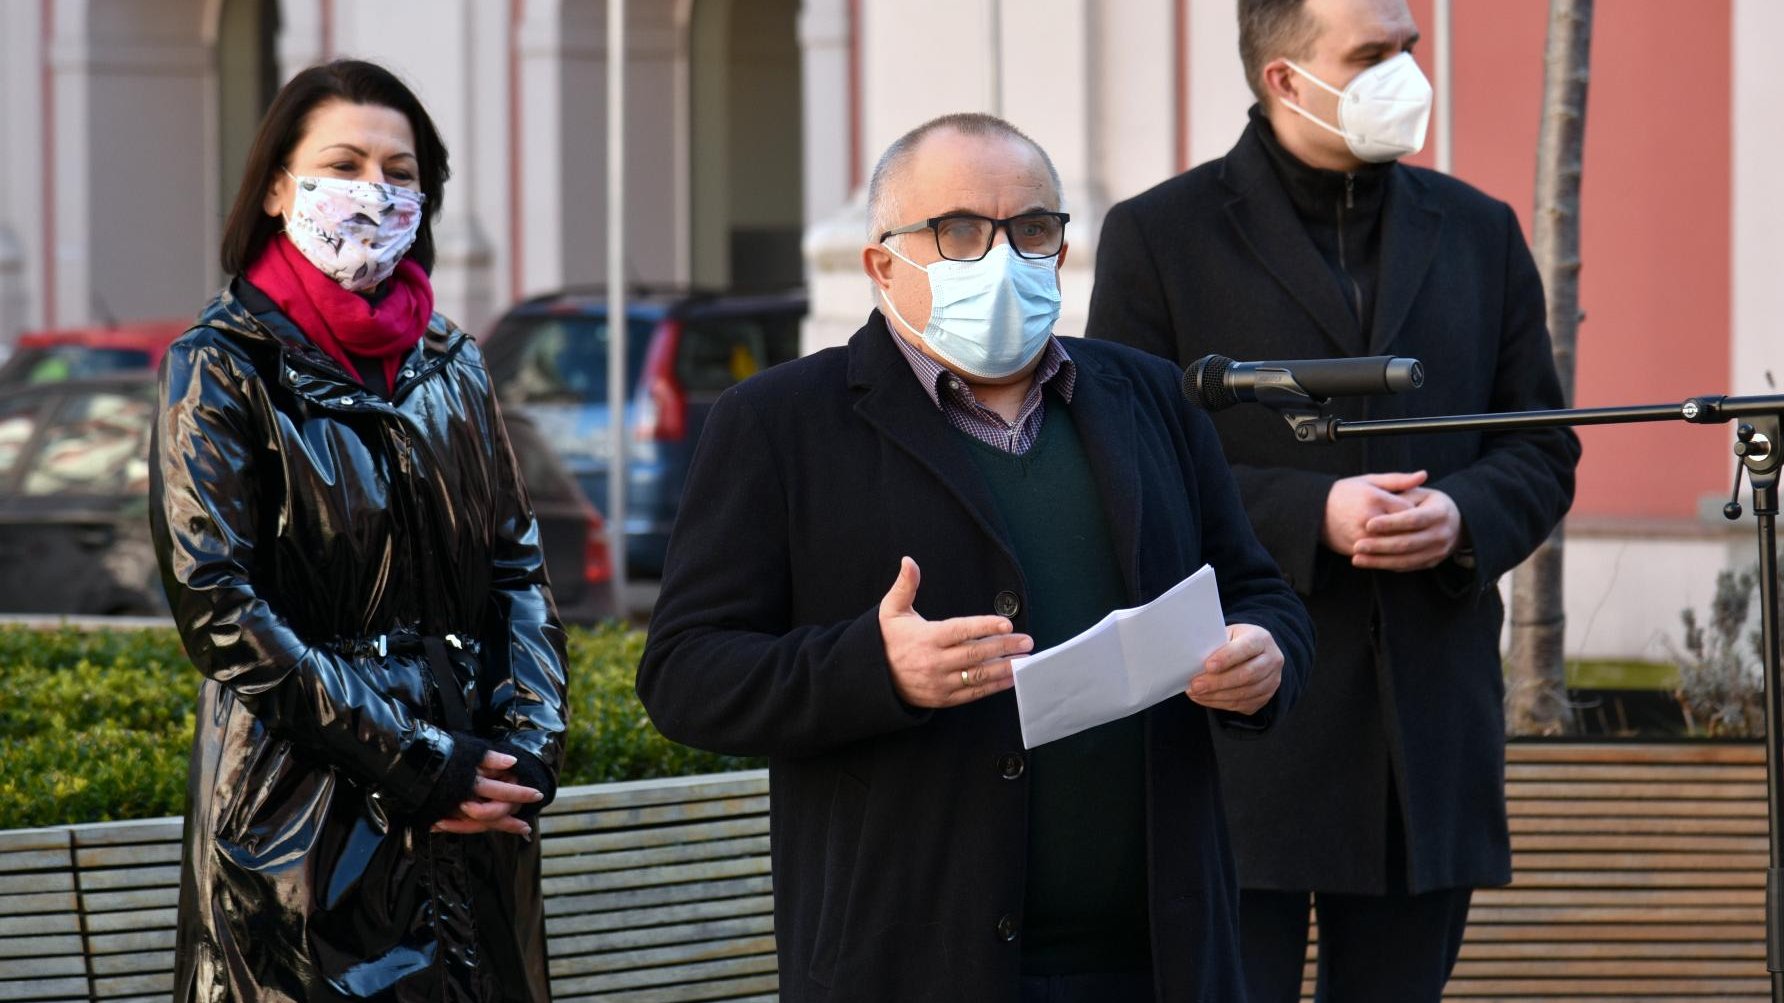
920, 853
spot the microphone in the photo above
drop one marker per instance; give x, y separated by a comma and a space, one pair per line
1215, 382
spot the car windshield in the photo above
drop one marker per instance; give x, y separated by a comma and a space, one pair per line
97, 444
720, 351
560, 359
54, 363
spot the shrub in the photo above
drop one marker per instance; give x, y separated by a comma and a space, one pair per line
97, 725
1721, 675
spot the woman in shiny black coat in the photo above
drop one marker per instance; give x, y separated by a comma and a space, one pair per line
356, 571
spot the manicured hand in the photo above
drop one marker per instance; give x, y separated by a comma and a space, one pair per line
1354, 501
1412, 539
944, 663
494, 798
1242, 674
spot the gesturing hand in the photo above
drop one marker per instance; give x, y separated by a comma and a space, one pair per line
944, 663
495, 797
1242, 674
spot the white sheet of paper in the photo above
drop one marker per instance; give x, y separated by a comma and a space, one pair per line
1131, 659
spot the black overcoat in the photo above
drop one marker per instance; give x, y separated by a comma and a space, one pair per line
1407, 676
898, 833
296, 517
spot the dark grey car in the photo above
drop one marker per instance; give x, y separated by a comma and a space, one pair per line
74, 517
74, 475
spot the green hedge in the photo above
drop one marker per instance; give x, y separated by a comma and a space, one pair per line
97, 725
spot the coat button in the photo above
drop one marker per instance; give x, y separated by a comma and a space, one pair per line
1007, 928
1010, 765
1006, 604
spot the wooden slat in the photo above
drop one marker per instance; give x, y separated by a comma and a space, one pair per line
134, 985
136, 919
659, 957
655, 856
688, 912
750, 989
634, 898
573, 843
1637, 824
34, 882
145, 830
40, 946
128, 855
121, 878
159, 939
1745, 753
26, 840
46, 990
666, 976
628, 938
66, 921
650, 877
38, 968
142, 898
653, 815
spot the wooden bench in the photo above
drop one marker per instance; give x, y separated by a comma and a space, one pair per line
655, 891
1639, 875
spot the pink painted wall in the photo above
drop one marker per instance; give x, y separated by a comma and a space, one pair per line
1655, 215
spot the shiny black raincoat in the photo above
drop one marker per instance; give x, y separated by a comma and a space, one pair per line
317, 542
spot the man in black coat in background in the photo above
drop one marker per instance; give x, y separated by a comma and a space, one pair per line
919, 852
1383, 797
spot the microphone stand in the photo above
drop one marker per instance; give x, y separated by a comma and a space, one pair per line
1760, 449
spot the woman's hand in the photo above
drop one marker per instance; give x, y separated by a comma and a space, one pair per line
496, 798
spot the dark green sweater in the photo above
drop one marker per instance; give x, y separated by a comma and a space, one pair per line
1086, 908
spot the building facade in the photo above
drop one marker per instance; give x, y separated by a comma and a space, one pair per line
751, 126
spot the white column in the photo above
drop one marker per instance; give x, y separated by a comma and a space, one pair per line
1049, 77
824, 78
132, 141
299, 43
1134, 69
21, 183
1218, 93
1756, 203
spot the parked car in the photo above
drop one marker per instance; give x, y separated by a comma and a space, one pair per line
548, 356
85, 353
570, 529
74, 517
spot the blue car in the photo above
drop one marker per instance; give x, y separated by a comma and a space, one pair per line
549, 359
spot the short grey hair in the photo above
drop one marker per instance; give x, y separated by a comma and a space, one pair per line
882, 205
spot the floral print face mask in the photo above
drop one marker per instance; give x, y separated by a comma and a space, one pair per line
355, 232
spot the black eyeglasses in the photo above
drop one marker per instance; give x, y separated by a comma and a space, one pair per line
965, 237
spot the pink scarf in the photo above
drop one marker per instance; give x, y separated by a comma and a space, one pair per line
342, 323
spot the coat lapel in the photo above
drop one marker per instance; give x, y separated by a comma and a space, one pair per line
1103, 409
893, 402
1410, 228
1265, 219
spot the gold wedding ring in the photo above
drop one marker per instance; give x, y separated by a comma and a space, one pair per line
965, 683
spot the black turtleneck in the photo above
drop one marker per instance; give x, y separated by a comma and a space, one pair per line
1342, 213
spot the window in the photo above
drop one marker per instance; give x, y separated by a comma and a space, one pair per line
560, 360
718, 352
98, 444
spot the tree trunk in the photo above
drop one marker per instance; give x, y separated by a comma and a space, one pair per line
1536, 688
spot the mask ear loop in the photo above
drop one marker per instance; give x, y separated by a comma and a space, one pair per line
1309, 116
888, 299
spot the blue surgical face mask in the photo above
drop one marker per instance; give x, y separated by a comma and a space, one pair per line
990, 317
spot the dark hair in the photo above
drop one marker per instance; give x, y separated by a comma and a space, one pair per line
1270, 29
351, 80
